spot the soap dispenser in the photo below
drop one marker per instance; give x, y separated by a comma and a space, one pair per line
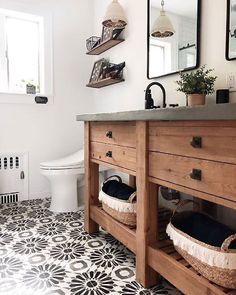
149, 103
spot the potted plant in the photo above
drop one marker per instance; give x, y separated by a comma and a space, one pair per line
196, 85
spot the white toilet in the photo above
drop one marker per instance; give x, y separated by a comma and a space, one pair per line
66, 176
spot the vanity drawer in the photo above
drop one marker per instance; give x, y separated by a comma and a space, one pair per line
215, 178
210, 143
123, 134
116, 155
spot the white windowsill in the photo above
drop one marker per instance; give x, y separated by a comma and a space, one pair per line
21, 98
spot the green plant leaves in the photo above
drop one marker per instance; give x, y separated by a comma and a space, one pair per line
197, 82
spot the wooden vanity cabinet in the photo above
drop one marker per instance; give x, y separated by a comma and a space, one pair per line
194, 157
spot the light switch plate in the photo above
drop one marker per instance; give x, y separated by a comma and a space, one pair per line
231, 81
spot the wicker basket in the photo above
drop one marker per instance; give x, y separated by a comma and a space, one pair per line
92, 42
217, 264
122, 211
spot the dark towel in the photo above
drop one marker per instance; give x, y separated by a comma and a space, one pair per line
203, 228
118, 190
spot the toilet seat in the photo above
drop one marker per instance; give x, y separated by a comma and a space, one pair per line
74, 161
68, 171
61, 168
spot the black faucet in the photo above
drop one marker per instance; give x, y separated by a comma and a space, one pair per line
149, 103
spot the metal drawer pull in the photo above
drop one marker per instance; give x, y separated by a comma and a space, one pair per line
196, 174
196, 142
109, 154
109, 134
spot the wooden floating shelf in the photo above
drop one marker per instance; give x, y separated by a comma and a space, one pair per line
104, 83
104, 46
164, 259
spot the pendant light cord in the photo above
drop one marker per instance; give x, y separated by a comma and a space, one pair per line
162, 5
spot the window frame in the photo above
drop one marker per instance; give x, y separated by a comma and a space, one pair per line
46, 47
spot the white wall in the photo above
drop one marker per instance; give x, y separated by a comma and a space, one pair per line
130, 94
50, 131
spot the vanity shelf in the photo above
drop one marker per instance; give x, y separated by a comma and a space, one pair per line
118, 230
104, 83
164, 259
123, 233
104, 46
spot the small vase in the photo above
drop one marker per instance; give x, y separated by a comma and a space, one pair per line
196, 99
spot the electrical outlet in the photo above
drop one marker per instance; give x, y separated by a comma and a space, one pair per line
231, 77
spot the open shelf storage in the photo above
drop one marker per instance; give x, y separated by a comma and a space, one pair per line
118, 230
104, 83
162, 257
104, 46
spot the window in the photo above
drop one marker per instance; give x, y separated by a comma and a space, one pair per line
25, 54
22, 54
160, 55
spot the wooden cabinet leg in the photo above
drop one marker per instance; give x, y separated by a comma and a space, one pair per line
91, 184
146, 231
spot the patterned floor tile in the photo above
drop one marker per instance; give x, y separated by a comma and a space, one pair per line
42, 253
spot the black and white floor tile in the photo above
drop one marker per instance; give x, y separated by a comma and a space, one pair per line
42, 253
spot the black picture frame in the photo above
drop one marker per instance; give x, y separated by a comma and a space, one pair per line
228, 18
97, 70
198, 41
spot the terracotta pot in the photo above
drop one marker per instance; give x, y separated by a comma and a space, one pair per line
196, 99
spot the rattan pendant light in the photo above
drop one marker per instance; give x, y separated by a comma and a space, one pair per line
115, 16
162, 27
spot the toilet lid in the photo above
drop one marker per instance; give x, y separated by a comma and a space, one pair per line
75, 160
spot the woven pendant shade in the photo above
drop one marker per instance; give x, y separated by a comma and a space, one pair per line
115, 16
162, 27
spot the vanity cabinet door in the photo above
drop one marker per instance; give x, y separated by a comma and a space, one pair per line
119, 156
117, 133
203, 142
205, 176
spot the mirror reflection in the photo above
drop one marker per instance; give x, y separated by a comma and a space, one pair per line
231, 30
173, 36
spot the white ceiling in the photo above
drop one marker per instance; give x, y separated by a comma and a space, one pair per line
181, 7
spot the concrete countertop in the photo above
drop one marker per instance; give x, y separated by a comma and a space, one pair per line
210, 112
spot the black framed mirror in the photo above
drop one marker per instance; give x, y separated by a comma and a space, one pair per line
231, 30
173, 36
